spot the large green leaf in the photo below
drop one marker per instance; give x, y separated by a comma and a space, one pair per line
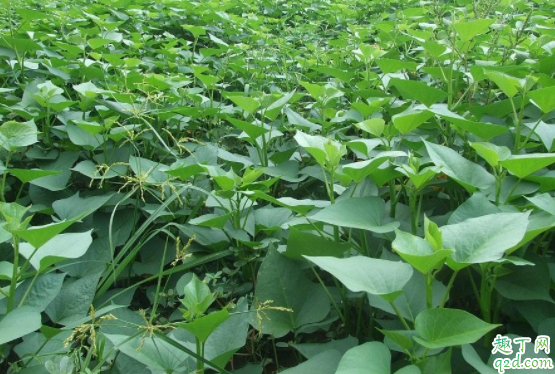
509, 85
418, 91
202, 327
59, 248
484, 239
468, 30
252, 130
73, 302
27, 175
365, 274
483, 130
326, 152
37, 236
282, 281
302, 243
248, 104
418, 252
76, 207
439, 328
366, 213
465, 172
491, 152
410, 119
368, 358
544, 98
524, 165
323, 363
14, 135
197, 297
19, 322
526, 282
40, 292
360, 170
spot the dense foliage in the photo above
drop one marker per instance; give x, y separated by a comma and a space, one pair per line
248, 186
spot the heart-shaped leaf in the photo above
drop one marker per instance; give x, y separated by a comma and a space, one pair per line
364, 274
439, 328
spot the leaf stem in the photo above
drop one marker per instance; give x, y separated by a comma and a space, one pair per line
449, 286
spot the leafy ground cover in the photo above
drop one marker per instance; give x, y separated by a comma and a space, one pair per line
259, 186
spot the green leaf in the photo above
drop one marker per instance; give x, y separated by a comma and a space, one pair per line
524, 165
410, 119
283, 281
39, 235
230, 336
75, 207
19, 322
42, 290
211, 220
253, 131
361, 169
468, 30
544, 98
197, 298
411, 369
302, 243
6, 270
184, 172
387, 65
96, 43
366, 213
27, 175
368, 358
14, 135
322, 94
410, 302
545, 131
323, 363
359, 273
372, 126
509, 85
19, 45
544, 201
202, 327
482, 130
310, 350
59, 248
526, 282
491, 152
63, 163
486, 238
83, 138
419, 91
418, 252
465, 172
197, 31
421, 178
88, 90
74, 300
439, 328
248, 104
473, 359
327, 152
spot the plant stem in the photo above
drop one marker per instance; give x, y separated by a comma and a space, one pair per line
5, 175
200, 363
13, 283
328, 294
449, 286
429, 279
398, 313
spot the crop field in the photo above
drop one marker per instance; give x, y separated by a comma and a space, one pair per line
273, 186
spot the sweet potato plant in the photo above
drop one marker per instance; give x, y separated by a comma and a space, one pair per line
263, 186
